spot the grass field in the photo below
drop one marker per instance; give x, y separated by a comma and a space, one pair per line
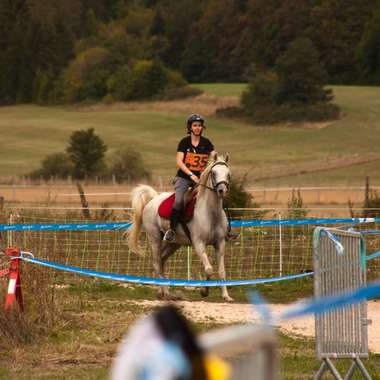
337, 153
92, 318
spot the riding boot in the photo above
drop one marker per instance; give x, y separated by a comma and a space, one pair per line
174, 220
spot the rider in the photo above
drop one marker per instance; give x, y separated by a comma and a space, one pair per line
192, 156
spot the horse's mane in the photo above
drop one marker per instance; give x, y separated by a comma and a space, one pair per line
204, 176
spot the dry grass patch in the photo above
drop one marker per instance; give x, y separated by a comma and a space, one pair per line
204, 104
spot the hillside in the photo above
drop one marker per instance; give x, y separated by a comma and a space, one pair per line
337, 153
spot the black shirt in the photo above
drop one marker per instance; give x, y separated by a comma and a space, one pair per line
196, 157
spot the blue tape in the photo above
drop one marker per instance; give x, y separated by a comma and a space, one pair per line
370, 232
65, 227
160, 281
338, 245
373, 256
300, 222
324, 304
234, 224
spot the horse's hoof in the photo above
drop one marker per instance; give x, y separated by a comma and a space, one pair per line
205, 292
228, 299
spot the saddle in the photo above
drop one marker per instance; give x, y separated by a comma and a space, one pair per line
166, 206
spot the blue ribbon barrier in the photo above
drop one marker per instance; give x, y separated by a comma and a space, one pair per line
321, 305
300, 222
160, 281
65, 227
234, 224
369, 232
373, 256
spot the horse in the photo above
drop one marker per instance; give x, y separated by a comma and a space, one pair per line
208, 225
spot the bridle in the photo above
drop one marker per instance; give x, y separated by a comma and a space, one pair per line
214, 183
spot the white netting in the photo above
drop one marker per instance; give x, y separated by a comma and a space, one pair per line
259, 252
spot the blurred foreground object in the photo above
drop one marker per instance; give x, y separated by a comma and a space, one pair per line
162, 346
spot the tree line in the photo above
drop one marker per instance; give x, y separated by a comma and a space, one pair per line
73, 50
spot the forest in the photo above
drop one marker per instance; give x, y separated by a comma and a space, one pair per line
54, 51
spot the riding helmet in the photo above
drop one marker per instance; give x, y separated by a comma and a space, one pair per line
192, 118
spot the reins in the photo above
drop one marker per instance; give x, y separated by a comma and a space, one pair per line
214, 185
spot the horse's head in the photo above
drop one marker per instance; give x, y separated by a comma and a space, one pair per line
218, 174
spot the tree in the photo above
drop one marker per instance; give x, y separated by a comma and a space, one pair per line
369, 50
262, 91
128, 165
272, 25
146, 79
301, 76
86, 150
86, 77
336, 27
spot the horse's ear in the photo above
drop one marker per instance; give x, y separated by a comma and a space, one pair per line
227, 157
213, 156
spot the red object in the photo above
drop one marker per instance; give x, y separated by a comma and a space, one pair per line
14, 286
166, 206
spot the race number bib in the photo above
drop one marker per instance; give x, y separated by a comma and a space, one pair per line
196, 161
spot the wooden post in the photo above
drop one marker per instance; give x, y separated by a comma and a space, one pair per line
83, 200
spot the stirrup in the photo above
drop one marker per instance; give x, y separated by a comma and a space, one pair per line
169, 236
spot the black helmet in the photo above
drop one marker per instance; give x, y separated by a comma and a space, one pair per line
192, 118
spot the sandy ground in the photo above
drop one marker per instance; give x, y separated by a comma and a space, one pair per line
241, 313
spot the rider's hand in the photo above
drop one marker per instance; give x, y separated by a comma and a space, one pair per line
194, 178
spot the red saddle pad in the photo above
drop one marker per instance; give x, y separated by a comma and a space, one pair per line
166, 206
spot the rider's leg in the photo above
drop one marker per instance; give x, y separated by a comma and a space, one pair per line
181, 186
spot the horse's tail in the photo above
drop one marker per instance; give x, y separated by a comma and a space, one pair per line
141, 195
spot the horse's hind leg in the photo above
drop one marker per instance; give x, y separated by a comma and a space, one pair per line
219, 250
157, 246
167, 251
161, 252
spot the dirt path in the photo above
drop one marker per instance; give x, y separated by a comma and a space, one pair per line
241, 313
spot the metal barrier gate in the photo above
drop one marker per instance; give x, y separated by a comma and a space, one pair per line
339, 266
251, 350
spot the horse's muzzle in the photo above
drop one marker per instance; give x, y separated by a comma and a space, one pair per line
222, 189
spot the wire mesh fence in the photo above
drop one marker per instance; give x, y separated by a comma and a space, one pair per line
268, 251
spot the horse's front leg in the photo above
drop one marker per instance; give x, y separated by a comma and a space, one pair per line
219, 250
200, 249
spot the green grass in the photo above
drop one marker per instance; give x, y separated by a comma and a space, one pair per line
93, 317
293, 151
221, 89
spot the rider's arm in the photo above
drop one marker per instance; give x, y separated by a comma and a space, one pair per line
179, 158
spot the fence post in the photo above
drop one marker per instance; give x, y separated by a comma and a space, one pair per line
188, 263
14, 288
280, 232
10, 233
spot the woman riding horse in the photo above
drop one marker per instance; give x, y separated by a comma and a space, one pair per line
192, 156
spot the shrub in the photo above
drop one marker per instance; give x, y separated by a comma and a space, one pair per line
180, 92
262, 92
146, 80
56, 165
296, 207
42, 316
128, 165
86, 77
239, 197
117, 84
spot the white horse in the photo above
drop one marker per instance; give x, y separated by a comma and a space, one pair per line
208, 225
